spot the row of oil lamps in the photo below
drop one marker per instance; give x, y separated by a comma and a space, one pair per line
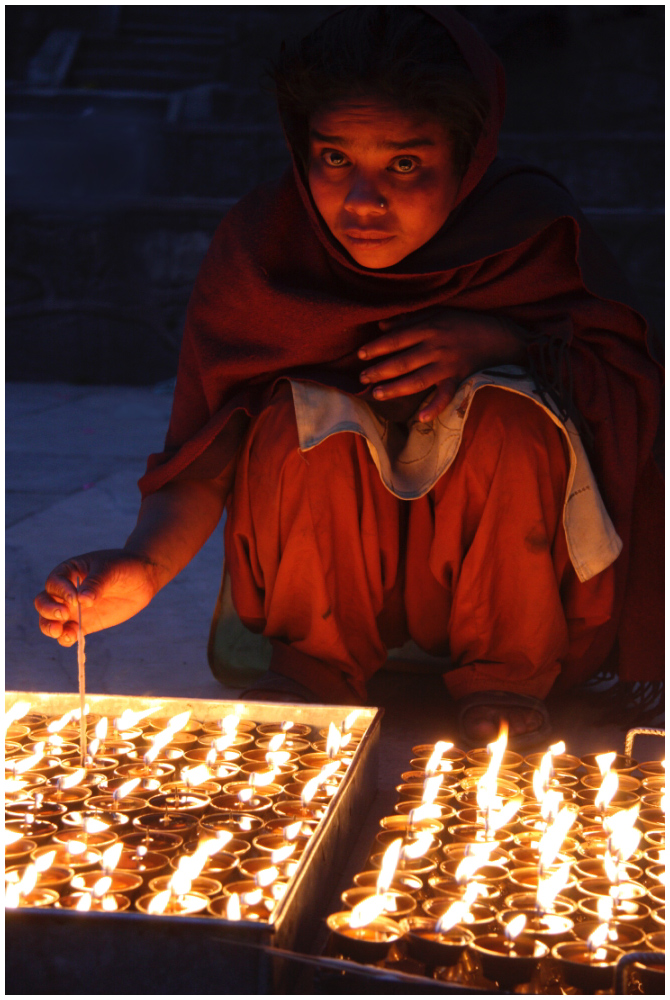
547, 868
166, 816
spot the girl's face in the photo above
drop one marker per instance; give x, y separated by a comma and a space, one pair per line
382, 179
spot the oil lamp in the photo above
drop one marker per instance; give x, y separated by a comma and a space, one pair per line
26, 892
510, 957
438, 942
588, 964
363, 933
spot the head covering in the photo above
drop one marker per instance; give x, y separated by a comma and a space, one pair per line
277, 296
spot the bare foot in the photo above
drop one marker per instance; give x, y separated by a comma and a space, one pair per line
482, 722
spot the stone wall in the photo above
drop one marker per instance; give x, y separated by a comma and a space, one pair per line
131, 130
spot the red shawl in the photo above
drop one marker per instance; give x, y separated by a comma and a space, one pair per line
277, 296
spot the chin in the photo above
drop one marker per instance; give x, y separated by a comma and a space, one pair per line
376, 260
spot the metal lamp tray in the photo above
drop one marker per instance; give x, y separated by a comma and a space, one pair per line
132, 952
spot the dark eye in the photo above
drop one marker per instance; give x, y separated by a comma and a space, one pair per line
334, 158
405, 164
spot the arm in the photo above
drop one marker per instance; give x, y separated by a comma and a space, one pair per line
172, 526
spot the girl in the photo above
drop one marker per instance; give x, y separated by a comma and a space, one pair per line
411, 374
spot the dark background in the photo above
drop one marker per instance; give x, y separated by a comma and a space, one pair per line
131, 130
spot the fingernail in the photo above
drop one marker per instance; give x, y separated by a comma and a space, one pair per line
58, 615
87, 595
362, 353
365, 378
378, 393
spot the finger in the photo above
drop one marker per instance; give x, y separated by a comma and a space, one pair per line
69, 635
53, 629
445, 393
399, 364
419, 380
62, 582
392, 342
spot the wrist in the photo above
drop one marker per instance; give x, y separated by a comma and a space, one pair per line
157, 575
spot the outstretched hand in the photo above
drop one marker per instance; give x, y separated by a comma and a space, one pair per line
438, 347
114, 585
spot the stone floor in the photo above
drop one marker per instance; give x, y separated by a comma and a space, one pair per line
73, 456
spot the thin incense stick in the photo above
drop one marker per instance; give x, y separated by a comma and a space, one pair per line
81, 664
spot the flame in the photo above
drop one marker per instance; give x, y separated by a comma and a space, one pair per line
84, 902
431, 787
55, 741
456, 914
539, 787
110, 857
11, 836
472, 891
93, 747
282, 854
435, 760
12, 897
366, 911
607, 790
611, 868
159, 741
158, 904
389, 865
253, 897
266, 876
514, 927
621, 821
215, 844
291, 832
180, 883
222, 743
21, 766
70, 780
426, 811
101, 728
598, 938
178, 722
102, 886
470, 864
129, 719
211, 758
551, 841
45, 861
551, 804
350, 719
605, 761
418, 847
345, 741
549, 888
28, 882
56, 725
662, 803
229, 724
75, 847
245, 794
125, 789
556, 749
276, 742
92, 825
605, 908
285, 726
194, 776
259, 779
547, 768
333, 741
16, 712
233, 911
498, 747
309, 790
278, 758
109, 903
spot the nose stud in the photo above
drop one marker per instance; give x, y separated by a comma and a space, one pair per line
382, 202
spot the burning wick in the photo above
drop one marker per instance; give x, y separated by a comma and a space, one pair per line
595, 941
513, 929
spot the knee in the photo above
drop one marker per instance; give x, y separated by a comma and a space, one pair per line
507, 423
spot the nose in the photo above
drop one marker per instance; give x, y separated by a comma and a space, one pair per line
364, 197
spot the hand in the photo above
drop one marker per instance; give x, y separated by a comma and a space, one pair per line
438, 347
114, 585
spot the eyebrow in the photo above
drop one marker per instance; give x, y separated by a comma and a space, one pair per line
412, 143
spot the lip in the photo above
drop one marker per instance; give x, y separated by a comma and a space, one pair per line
368, 238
